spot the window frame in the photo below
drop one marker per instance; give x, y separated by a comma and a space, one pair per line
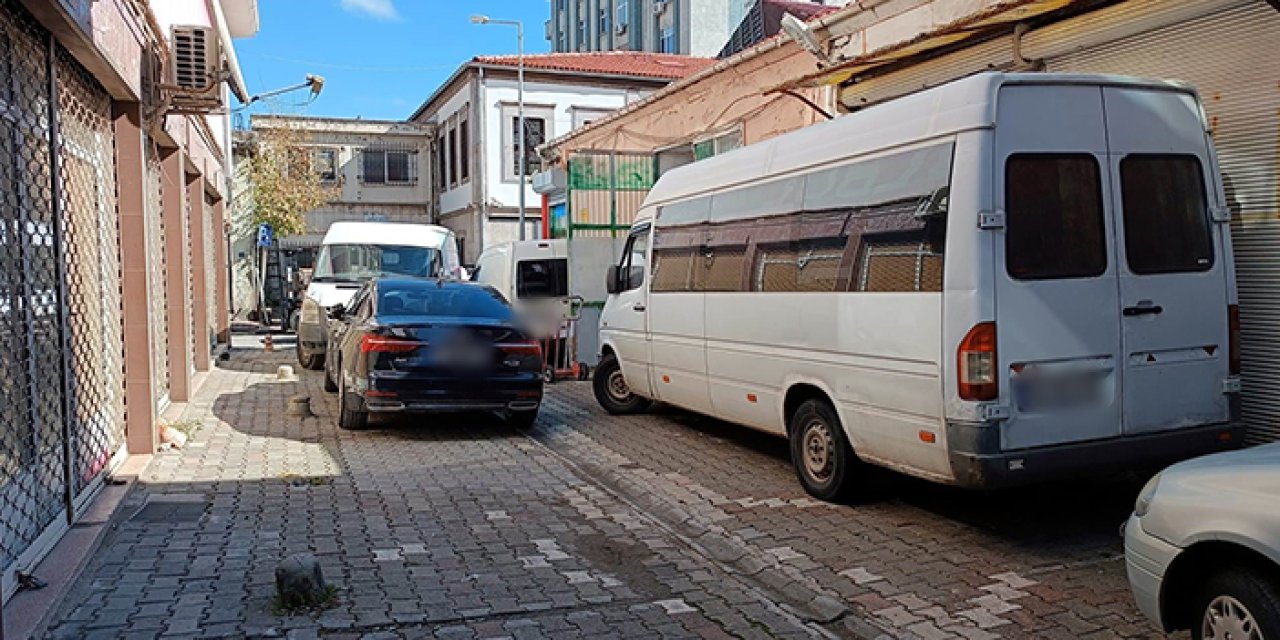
334, 172
1101, 222
1206, 216
411, 166
645, 234
622, 13
510, 118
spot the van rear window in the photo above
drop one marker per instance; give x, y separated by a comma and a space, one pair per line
542, 278
1055, 226
1166, 222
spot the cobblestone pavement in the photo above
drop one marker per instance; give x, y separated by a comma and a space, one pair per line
924, 561
660, 525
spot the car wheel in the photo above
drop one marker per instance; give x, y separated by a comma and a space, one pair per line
824, 461
1237, 603
612, 392
351, 415
311, 361
522, 419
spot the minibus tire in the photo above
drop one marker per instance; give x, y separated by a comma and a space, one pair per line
824, 462
309, 361
606, 383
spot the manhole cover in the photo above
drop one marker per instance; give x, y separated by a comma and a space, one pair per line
171, 509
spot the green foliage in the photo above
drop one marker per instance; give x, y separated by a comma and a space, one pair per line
285, 185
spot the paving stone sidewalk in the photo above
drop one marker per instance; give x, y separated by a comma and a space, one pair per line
428, 527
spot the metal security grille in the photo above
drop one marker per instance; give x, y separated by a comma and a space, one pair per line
156, 276
61, 371
33, 474
92, 239
210, 277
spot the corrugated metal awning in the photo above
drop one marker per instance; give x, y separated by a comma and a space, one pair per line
992, 18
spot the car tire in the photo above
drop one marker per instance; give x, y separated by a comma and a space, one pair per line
612, 392
824, 462
310, 361
351, 414
1237, 595
522, 419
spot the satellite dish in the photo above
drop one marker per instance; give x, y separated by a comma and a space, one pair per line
804, 36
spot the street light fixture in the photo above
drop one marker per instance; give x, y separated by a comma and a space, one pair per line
520, 128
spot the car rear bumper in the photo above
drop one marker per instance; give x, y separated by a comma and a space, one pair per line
396, 393
977, 461
1147, 559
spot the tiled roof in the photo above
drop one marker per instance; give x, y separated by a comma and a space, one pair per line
609, 63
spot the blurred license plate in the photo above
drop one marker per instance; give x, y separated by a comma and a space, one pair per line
461, 355
1059, 390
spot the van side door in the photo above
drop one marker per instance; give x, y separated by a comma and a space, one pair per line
1174, 276
1057, 301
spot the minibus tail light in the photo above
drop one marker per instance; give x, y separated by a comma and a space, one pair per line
976, 363
1233, 338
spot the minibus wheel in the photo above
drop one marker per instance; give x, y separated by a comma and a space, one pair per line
824, 461
611, 389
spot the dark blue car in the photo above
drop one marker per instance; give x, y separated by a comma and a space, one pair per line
421, 346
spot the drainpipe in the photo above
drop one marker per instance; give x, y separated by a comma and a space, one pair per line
482, 167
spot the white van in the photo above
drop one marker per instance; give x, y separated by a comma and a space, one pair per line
533, 275
353, 252
1006, 278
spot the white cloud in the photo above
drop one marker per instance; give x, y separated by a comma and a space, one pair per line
379, 9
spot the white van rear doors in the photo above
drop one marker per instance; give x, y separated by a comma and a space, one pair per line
1173, 277
1057, 297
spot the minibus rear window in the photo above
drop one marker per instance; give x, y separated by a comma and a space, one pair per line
1166, 222
542, 278
1055, 226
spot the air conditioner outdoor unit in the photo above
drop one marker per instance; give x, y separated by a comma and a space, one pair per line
659, 6
620, 28
197, 60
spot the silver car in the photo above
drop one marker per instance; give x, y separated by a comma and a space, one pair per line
1203, 546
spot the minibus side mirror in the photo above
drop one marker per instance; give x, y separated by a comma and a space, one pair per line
337, 311
611, 283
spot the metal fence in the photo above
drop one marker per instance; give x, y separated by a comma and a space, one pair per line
61, 346
605, 191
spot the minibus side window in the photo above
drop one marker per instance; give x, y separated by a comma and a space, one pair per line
1055, 226
633, 262
909, 261
1166, 221
801, 265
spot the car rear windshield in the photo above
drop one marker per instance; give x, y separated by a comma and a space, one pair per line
1166, 222
364, 261
542, 278
431, 299
1055, 226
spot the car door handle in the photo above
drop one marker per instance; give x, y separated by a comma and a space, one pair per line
1143, 310
638, 307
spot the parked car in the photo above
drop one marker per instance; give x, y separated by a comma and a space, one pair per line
423, 346
945, 286
1203, 546
353, 252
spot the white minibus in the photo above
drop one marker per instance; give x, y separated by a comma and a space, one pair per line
1008, 278
352, 253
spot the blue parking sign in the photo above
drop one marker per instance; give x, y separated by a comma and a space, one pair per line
264, 235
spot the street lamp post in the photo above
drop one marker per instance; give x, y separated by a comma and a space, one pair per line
521, 134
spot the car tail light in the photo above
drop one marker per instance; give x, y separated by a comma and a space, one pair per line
527, 347
1233, 338
976, 363
388, 344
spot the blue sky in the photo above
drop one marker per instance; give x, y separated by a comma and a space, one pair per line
379, 58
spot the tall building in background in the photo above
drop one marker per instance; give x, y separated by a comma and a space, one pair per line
689, 27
